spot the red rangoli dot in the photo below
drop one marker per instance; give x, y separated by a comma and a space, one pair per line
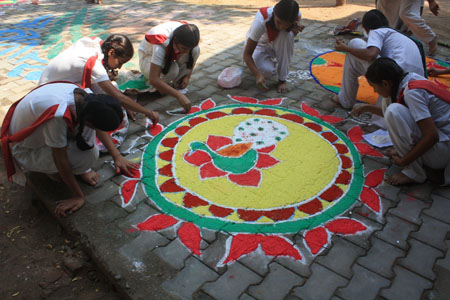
220, 211
196, 121
266, 112
330, 136
293, 118
346, 162
166, 170
280, 214
215, 115
313, 126
341, 148
170, 186
166, 155
344, 177
332, 193
182, 130
193, 201
170, 142
242, 110
249, 215
311, 207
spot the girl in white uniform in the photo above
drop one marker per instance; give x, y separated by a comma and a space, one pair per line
167, 56
52, 130
382, 41
270, 42
418, 124
409, 13
90, 62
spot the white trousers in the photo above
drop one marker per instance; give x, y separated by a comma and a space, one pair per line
277, 56
407, 12
41, 159
177, 70
405, 134
353, 69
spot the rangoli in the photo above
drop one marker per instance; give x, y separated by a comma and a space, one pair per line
327, 69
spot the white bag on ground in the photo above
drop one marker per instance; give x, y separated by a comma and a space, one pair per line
230, 77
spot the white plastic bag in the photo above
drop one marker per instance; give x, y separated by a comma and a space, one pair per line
230, 77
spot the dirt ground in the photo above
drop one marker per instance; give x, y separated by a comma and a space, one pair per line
39, 261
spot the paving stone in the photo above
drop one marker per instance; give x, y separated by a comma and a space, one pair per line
257, 261
200, 295
445, 262
439, 209
409, 208
406, 286
101, 194
421, 259
189, 279
432, 232
320, 285
232, 283
340, 257
140, 215
363, 239
215, 252
246, 297
142, 245
277, 284
301, 268
420, 191
381, 257
386, 205
396, 231
363, 285
174, 254
441, 191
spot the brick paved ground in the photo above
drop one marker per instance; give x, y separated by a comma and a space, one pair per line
404, 255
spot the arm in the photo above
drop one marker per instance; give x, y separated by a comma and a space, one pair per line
435, 72
248, 59
368, 54
119, 161
430, 137
127, 102
65, 171
164, 88
434, 7
363, 108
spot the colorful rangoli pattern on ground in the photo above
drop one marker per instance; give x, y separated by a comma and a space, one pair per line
327, 69
257, 172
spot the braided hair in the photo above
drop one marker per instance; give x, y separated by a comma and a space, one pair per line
187, 35
102, 111
122, 48
385, 68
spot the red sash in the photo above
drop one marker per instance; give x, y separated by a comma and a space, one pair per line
159, 39
271, 33
48, 114
429, 86
87, 72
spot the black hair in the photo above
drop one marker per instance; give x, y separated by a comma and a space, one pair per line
122, 48
374, 19
187, 35
286, 10
102, 111
385, 68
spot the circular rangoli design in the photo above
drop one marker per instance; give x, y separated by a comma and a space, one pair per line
252, 168
327, 69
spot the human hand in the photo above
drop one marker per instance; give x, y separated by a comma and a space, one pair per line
357, 110
340, 45
261, 83
69, 206
184, 102
434, 7
154, 116
124, 166
397, 160
183, 82
112, 74
297, 28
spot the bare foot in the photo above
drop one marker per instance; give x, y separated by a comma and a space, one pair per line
335, 99
90, 178
390, 152
399, 179
54, 177
282, 87
432, 46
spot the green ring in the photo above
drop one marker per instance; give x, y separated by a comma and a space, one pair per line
170, 208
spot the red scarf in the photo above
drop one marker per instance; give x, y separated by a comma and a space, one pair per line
429, 86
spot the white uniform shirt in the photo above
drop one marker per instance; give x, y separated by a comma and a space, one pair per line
69, 64
258, 30
397, 46
422, 104
53, 133
158, 52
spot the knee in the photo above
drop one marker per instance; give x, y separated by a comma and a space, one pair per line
357, 43
393, 112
